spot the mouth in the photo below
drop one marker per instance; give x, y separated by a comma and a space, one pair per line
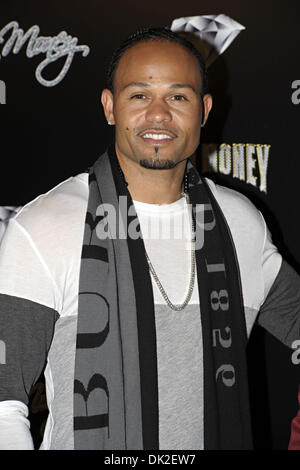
153, 137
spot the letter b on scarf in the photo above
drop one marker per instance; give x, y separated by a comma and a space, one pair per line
97, 381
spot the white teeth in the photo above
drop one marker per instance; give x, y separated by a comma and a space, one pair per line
156, 136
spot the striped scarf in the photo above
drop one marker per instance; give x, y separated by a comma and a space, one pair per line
116, 383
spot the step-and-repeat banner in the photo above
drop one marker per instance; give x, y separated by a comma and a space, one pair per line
53, 57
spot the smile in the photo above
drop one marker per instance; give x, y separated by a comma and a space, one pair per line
157, 138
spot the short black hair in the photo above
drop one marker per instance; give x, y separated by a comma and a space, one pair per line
154, 34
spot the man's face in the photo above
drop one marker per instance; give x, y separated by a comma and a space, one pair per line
156, 105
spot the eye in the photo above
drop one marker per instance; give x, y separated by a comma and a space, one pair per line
179, 98
138, 96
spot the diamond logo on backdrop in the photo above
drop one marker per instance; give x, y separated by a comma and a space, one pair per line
212, 34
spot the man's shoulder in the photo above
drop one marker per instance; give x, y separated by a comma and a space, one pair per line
236, 201
62, 205
239, 211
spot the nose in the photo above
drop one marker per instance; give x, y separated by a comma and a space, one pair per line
158, 111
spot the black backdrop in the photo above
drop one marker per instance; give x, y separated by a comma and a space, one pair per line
51, 133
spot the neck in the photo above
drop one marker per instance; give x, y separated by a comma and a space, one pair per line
150, 185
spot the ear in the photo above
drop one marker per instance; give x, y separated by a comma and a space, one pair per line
107, 101
207, 105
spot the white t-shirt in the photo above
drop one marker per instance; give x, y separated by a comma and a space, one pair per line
39, 278
166, 231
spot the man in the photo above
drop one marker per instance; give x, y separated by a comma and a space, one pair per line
144, 337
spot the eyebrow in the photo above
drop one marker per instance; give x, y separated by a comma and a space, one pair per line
145, 84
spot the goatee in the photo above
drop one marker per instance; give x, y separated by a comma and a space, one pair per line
157, 164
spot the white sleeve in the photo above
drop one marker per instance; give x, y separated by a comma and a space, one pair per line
14, 426
27, 324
